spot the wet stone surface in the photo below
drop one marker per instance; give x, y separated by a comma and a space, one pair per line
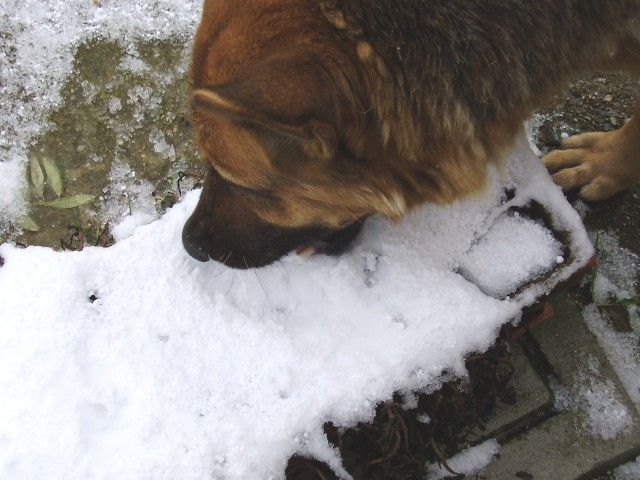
123, 136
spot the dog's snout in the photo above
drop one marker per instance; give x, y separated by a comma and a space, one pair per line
192, 248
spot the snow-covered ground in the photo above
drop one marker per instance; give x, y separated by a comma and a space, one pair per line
138, 362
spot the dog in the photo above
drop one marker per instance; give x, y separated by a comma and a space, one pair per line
314, 114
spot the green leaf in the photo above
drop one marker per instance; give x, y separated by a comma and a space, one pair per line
67, 202
28, 223
37, 177
54, 179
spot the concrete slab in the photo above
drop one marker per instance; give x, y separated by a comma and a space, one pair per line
581, 441
532, 402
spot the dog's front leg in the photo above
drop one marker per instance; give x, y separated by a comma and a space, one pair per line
599, 164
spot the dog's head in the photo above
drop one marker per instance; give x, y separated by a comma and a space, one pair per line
277, 181
307, 130
281, 128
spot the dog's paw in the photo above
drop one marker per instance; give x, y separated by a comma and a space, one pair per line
599, 164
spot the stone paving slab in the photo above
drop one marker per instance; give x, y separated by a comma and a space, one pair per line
553, 436
532, 400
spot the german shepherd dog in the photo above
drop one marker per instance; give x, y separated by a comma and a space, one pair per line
314, 114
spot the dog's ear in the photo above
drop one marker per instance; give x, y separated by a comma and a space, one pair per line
317, 138
269, 97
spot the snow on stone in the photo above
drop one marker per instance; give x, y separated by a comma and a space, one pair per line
628, 471
562, 399
37, 47
604, 413
616, 280
470, 461
509, 241
622, 348
126, 196
607, 416
617, 270
138, 362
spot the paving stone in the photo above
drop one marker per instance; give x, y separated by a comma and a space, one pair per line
562, 446
557, 450
533, 400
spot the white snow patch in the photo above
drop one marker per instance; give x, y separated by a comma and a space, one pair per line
160, 145
114, 105
598, 402
509, 242
470, 461
126, 195
622, 348
128, 225
605, 415
138, 362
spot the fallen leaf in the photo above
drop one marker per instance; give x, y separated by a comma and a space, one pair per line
67, 202
54, 179
37, 177
28, 223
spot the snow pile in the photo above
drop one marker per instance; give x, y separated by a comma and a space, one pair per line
38, 41
468, 462
138, 362
509, 240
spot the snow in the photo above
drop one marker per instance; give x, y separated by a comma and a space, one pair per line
607, 416
604, 413
600, 408
193, 370
126, 196
629, 471
509, 240
470, 461
623, 349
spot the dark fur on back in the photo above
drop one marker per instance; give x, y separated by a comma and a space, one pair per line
435, 48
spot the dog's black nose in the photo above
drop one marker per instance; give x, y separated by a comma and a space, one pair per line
192, 248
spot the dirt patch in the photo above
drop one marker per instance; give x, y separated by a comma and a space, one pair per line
406, 433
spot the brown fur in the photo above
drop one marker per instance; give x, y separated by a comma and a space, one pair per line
314, 114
